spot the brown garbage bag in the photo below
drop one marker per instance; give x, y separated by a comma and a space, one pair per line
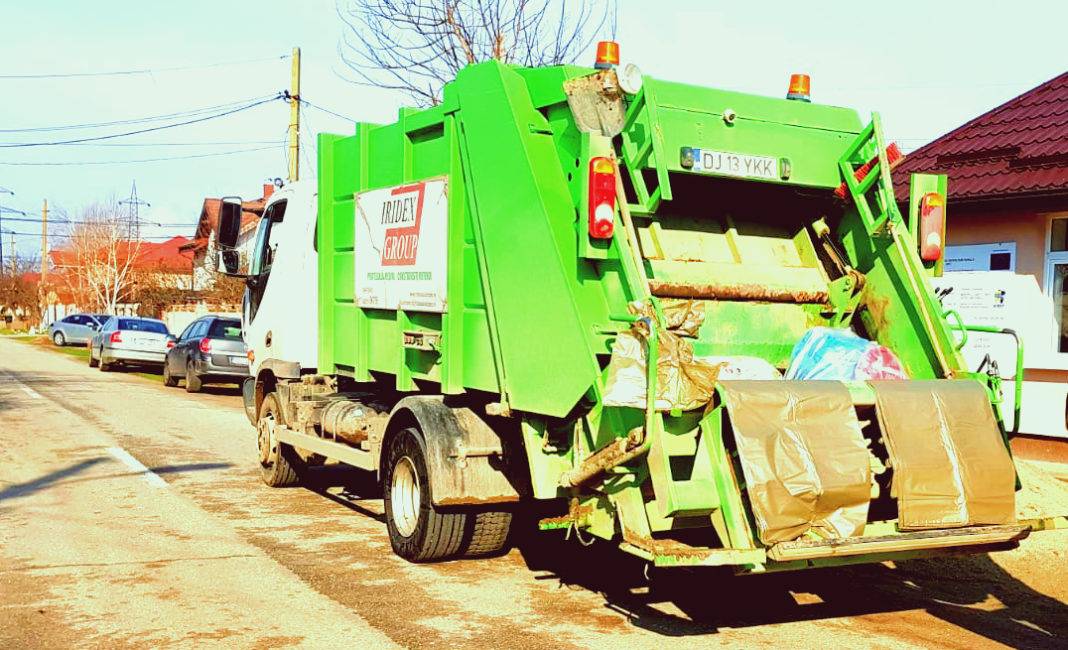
682, 382
805, 462
951, 467
684, 317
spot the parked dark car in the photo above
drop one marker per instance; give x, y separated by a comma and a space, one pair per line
76, 328
209, 351
129, 339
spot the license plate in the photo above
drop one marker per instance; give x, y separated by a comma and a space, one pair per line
239, 361
735, 164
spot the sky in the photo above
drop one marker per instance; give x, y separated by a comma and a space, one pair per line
927, 67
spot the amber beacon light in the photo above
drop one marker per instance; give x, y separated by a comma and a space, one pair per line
799, 88
607, 55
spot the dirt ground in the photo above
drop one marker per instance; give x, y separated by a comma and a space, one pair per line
186, 548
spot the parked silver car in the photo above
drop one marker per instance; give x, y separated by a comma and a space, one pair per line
76, 328
130, 339
210, 350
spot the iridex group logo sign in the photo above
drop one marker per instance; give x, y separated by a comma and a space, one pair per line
400, 246
402, 216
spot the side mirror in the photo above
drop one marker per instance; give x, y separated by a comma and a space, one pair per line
229, 222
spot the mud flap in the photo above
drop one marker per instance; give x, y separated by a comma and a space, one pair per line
805, 462
951, 467
465, 457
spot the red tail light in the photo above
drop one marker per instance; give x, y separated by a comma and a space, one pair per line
205, 346
170, 344
116, 337
602, 197
932, 225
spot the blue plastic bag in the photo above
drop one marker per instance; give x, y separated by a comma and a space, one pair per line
841, 355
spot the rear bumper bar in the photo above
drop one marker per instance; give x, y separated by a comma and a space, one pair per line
804, 549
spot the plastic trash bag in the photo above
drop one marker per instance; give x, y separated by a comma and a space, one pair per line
742, 368
684, 317
825, 353
682, 382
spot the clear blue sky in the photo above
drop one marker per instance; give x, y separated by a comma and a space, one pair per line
926, 66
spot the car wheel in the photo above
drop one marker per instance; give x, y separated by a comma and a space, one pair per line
104, 366
192, 381
418, 532
93, 361
59, 339
280, 465
168, 378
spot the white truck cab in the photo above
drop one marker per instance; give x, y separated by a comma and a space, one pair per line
279, 314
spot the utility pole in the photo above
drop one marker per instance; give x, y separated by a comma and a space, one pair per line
294, 119
44, 245
3, 190
13, 270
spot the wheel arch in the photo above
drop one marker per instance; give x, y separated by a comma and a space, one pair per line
465, 456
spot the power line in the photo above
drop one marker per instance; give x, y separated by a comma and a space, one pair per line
149, 71
68, 236
78, 222
142, 160
204, 143
139, 120
326, 110
154, 128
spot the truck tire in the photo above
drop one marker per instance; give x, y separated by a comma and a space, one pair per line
489, 534
418, 531
279, 464
192, 381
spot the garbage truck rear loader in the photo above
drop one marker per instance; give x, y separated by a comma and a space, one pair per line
581, 288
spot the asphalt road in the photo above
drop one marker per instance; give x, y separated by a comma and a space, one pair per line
133, 516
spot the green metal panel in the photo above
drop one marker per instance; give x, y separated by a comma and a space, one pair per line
521, 196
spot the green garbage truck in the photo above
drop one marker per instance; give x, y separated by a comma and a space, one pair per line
689, 322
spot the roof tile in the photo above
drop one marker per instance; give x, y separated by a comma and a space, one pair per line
1017, 148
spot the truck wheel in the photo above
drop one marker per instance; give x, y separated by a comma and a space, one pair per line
192, 381
418, 531
279, 464
93, 361
168, 378
489, 534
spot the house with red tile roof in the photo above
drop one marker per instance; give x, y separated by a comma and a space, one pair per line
1008, 211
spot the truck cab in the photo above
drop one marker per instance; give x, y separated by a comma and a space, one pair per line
279, 307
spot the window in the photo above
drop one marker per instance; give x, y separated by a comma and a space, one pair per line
1056, 273
187, 333
226, 329
264, 252
142, 325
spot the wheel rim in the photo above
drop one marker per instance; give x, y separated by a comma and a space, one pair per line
266, 441
404, 497
58, 338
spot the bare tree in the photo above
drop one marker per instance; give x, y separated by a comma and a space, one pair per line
18, 293
96, 263
416, 46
